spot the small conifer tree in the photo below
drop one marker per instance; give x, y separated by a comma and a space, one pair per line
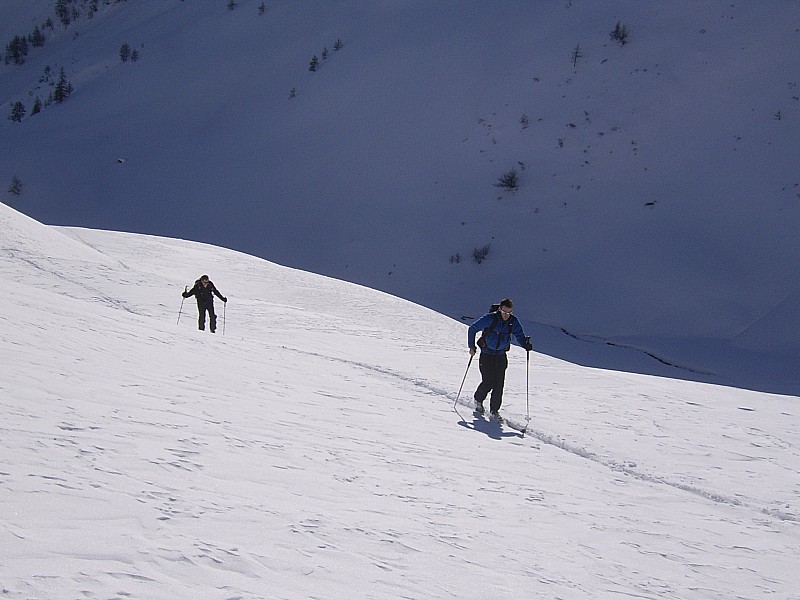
620, 34
36, 38
17, 111
63, 88
15, 187
16, 50
480, 254
509, 180
576, 54
63, 12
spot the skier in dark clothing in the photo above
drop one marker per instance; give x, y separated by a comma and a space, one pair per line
204, 290
498, 328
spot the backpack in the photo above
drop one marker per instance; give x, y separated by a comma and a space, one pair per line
494, 309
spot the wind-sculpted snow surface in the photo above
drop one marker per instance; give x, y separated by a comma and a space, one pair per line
316, 449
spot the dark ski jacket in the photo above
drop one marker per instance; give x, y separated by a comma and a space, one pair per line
496, 333
204, 294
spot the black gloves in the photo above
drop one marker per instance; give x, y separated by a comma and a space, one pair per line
224, 299
528, 346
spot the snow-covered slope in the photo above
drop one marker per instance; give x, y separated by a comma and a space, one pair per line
313, 449
658, 202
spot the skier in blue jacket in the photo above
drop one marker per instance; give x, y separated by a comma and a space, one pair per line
498, 328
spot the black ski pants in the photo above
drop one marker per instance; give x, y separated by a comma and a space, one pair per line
493, 378
202, 307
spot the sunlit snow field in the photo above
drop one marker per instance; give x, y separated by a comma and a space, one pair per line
312, 447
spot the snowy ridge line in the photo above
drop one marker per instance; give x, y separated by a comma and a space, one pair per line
557, 442
663, 361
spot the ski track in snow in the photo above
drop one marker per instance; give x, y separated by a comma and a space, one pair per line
577, 450
30, 259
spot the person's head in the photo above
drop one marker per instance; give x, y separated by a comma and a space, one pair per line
506, 308
204, 279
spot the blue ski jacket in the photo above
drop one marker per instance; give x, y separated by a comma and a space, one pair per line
497, 338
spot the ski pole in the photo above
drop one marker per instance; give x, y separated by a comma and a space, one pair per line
224, 308
185, 289
527, 389
462, 382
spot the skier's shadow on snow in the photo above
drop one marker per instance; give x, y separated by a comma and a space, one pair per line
494, 429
